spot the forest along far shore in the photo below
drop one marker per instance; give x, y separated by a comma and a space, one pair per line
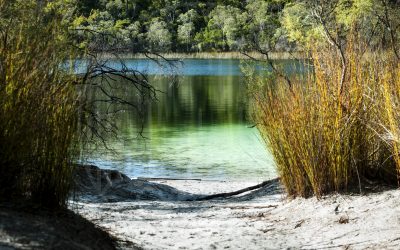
332, 131
213, 55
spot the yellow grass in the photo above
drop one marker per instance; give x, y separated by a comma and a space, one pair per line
325, 137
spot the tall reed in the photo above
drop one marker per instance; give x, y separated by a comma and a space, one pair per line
37, 104
327, 134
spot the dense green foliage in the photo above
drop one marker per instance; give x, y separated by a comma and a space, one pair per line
177, 25
252, 25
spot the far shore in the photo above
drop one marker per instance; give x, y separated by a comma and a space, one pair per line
211, 55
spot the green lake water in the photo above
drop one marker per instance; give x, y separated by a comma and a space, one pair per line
198, 127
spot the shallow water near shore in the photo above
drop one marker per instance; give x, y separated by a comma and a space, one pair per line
198, 128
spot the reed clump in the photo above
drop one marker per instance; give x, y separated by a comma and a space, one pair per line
37, 104
330, 131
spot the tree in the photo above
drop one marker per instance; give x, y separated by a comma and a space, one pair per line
225, 27
116, 8
332, 23
262, 25
86, 6
186, 29
322, 20
158, 36
299, 24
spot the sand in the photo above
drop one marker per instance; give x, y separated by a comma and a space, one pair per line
26, 226
264, 219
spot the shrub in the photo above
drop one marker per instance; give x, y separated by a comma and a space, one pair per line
37, 104
327, 134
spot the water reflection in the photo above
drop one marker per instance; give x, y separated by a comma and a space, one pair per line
197, 128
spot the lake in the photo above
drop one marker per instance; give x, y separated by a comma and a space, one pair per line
198, 128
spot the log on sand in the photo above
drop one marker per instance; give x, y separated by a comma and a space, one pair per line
241, 191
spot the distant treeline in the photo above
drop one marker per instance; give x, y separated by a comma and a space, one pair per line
184, 26
230, 25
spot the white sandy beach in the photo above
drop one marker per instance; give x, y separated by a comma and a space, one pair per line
264, 219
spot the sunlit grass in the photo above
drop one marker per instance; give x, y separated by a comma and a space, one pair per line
328, 137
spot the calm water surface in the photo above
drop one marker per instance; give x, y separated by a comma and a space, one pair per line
198, 128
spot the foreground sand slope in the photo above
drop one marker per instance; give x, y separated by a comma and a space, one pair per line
264, 219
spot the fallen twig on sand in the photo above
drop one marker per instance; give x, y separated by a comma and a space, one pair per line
249, 207
165, 179
229, 194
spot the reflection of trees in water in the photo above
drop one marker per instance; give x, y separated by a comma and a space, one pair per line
179, 145
199, 99
190, 100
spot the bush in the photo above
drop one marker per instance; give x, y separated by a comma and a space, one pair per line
327, 135
37, 104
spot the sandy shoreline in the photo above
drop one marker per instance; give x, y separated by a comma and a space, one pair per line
157, 215
263, 219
